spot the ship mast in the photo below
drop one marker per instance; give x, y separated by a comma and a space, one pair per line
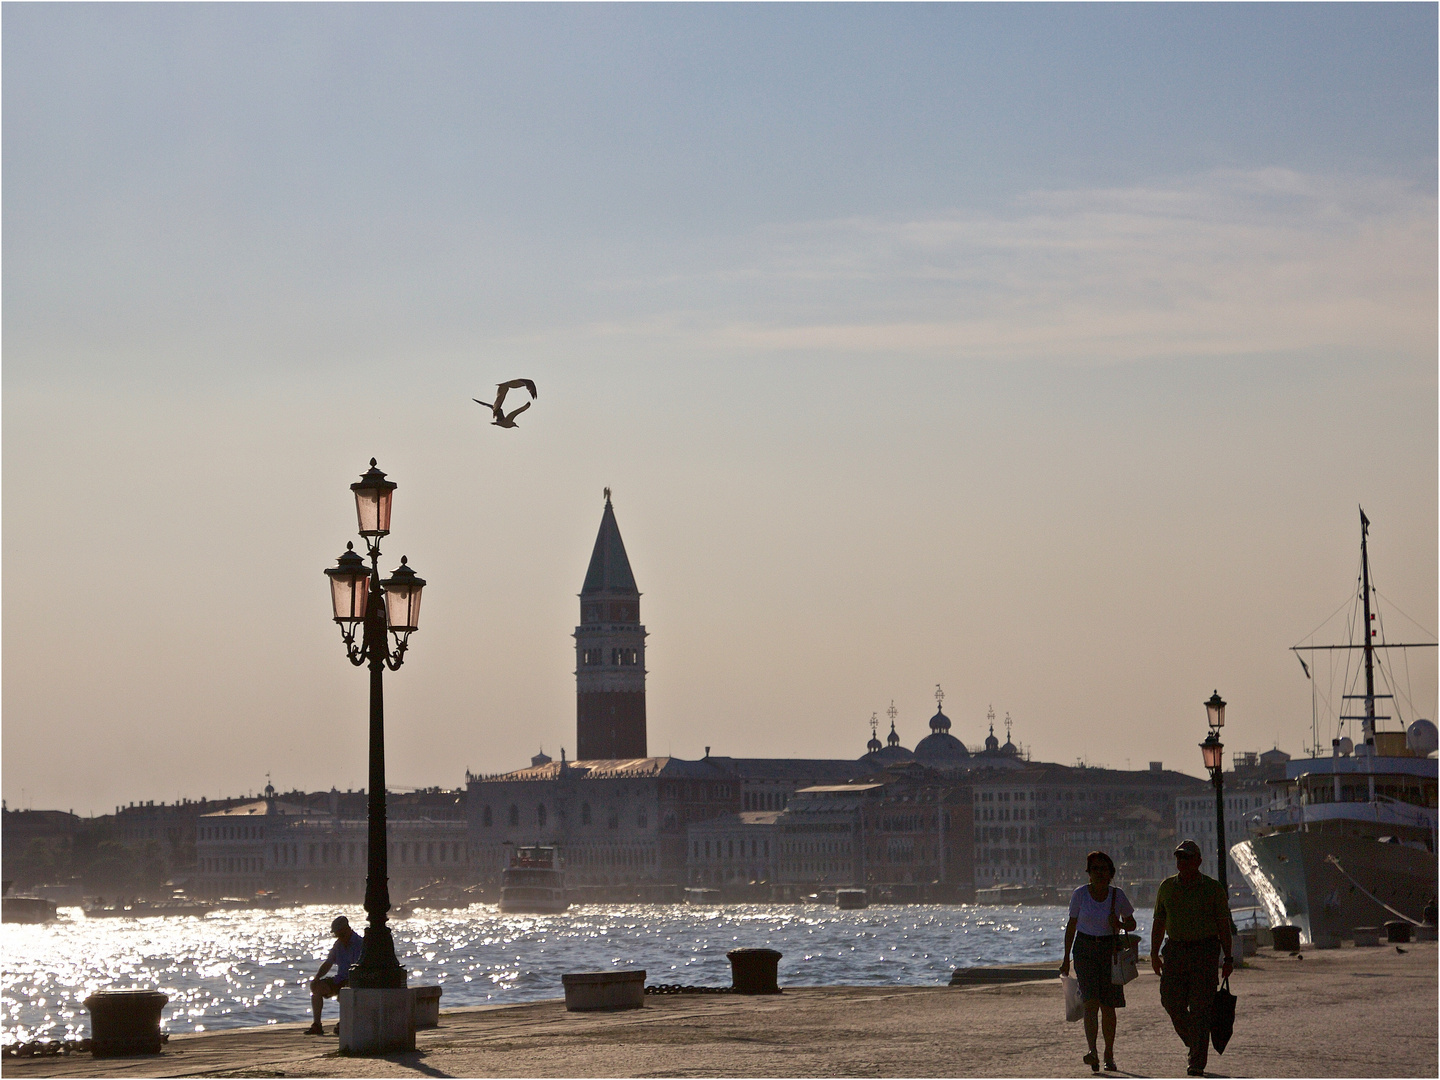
1369, 730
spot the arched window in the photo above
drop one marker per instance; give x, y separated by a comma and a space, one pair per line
585, 813
514, 814
540, 815
485, 818
641, 820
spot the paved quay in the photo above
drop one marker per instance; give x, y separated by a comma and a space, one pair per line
1346, 1012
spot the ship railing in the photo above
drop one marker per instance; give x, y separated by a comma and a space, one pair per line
1384, 810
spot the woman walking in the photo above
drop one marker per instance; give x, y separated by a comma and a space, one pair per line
1098, 913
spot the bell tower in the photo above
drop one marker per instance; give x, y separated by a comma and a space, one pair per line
609, 653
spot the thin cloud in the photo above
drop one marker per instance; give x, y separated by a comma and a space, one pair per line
1224, 264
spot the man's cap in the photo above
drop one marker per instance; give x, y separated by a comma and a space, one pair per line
1188, 847
340, 923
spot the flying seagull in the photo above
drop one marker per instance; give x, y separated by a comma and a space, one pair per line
499, 416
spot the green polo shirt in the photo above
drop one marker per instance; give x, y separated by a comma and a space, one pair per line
1192, 912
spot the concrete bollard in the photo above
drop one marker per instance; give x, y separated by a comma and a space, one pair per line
1326, 939
1286, 938
125, 1022
1397, 931
1424, 933
754, 971
1366, 937
596, 991
1249, 943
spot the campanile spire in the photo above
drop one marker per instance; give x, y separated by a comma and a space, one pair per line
609, 653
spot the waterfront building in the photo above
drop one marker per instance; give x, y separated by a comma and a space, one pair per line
302, 853
820, 837
734, 850
1024, 817
616, 822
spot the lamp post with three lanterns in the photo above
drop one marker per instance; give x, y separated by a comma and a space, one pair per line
361, 599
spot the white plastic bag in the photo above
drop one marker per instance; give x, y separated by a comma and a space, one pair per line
1074, 1003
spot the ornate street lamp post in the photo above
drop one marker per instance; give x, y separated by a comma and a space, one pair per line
1213, 751
360, 597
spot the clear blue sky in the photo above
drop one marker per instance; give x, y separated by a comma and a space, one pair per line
1040, 351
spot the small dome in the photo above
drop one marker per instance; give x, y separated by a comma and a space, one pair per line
539, 759
890, 754
939, 722
991, 742
874, 745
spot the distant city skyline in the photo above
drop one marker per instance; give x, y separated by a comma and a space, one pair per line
1043, 352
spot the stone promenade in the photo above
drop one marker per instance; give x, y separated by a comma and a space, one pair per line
1347, 1012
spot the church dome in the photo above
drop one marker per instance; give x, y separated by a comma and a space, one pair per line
939, 722
940, 748
991, 742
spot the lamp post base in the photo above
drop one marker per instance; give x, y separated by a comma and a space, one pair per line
376, 1021
378, 968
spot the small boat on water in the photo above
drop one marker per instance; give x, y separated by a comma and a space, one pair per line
702, 896
26, 909
534, 882
1350, 839
1013, 894
851, 899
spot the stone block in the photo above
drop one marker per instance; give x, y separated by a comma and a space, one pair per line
1366, 937
427, 1006
1423, 933
1249, 943
1327, 939
591, 991
1398, 931
376, 1021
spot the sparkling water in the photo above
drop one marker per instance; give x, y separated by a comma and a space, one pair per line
240, 968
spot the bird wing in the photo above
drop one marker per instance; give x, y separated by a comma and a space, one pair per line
511, 417
479, 402
516, 384
500, 391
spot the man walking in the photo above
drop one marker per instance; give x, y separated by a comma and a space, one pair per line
1192, 917
344, 955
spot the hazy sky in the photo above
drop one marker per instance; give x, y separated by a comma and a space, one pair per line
1041, 352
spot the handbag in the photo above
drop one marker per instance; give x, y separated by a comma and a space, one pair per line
1222, 1017
1125, 963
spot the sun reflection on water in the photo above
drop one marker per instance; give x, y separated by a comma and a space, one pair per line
241, 968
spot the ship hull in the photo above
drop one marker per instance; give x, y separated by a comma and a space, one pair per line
1292, 880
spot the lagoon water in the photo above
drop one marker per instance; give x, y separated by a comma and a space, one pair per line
241, 968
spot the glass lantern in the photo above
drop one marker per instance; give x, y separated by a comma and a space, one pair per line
373, 494
349, 586
1215, 710
1213, 751
402, 598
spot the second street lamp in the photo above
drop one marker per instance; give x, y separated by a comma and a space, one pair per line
1212, 751
392, 606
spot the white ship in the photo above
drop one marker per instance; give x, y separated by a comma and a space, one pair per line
534, 882
1350, 839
